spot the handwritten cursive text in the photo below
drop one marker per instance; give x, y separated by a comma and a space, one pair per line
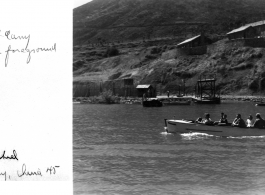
26, 50
11, 157
24, 172
4, 174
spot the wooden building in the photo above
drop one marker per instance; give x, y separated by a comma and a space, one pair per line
259, 27
242, 33
194, 46
252, 30
148, 90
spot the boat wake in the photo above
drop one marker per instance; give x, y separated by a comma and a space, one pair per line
247, 137
191, 135
165, 133
195, 135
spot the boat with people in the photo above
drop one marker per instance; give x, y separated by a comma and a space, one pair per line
190, 126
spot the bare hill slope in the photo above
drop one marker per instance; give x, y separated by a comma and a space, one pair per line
145, 34
237, 68
123, 20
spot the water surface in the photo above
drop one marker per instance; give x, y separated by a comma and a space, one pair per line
123, 149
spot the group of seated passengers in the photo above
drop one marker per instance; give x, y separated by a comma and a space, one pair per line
208, 121
238, 121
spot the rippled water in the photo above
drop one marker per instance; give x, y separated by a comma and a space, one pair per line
123, 149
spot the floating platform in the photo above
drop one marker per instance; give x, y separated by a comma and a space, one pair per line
152, 102
215, 100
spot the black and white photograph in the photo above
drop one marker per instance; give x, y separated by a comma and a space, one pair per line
168, 97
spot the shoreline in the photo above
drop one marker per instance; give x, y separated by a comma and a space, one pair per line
243, 98
138, 100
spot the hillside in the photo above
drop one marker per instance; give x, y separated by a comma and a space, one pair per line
131, 20
237, 69
149, 54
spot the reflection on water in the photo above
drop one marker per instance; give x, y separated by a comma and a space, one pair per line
123, 149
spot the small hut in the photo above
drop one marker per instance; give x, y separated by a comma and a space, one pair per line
148, 90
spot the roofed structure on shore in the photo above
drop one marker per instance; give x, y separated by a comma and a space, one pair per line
252, 30
147, 89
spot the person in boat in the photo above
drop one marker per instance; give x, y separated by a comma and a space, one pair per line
249, 121
207, 120
259, 122
221, 120
238, 121
167, 94
199, 120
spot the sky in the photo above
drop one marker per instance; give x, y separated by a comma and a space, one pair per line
77, 3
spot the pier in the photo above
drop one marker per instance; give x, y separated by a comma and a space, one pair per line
205, 91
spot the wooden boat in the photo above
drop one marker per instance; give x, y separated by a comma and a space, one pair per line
152, 102
260, 104
186, 126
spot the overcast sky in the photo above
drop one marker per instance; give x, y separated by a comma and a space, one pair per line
80, 2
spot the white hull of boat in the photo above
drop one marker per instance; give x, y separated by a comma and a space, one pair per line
183, 126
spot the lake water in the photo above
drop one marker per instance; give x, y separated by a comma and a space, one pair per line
123, 149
